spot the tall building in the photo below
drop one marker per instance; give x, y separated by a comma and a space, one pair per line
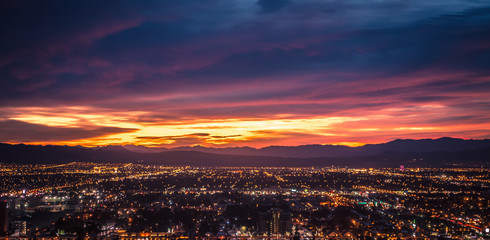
4, 218
286, 222
280, 222
263, 223
276, 221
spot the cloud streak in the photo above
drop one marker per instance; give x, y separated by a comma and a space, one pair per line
23, 132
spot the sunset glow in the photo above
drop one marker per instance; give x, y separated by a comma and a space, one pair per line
245, 73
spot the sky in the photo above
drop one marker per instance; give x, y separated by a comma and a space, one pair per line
253, 73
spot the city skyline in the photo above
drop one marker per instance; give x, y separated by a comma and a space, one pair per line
243, 73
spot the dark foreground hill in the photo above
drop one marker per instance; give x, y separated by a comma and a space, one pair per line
29, 154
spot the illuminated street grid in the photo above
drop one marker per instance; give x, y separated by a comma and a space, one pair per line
130, 201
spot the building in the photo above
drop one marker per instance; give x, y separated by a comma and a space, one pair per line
276, 221
4, 218
19, 228
286, 223
263, 223
280, 222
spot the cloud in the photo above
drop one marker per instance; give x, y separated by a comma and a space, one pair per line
18, 131
185, 139
269, 6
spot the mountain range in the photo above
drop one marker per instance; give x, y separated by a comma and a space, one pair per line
442, 152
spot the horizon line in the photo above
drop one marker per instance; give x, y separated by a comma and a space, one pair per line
357, 144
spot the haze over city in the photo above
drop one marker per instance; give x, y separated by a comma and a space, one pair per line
243, 73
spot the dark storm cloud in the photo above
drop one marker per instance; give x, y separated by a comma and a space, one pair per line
18, 131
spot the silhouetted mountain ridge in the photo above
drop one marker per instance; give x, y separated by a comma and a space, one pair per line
447, 152
316, 150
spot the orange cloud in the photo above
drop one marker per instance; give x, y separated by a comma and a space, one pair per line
90, 126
